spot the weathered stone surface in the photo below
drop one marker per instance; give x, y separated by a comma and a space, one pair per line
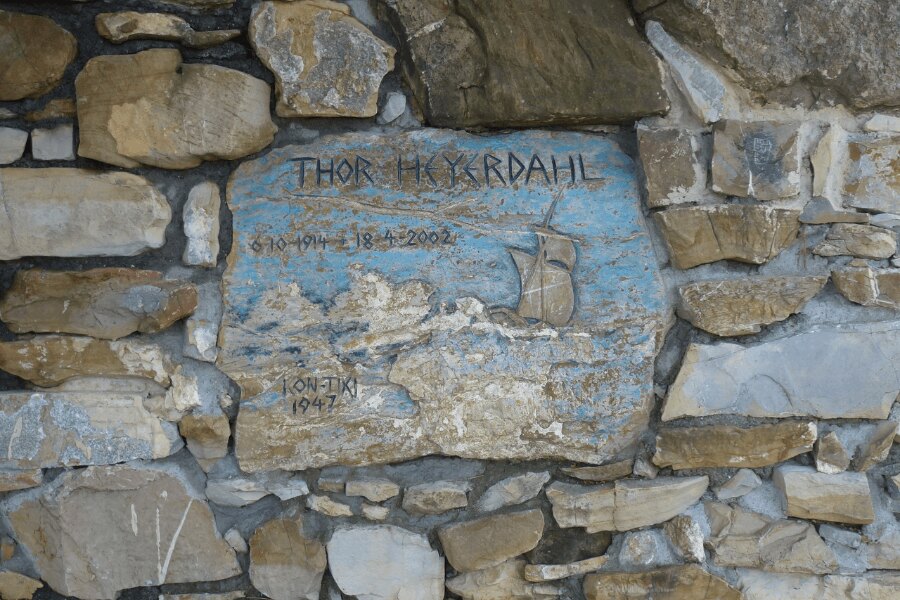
764, 585
15, 479
236, 541
58, 108
742, 483
206, 436
107, 303
831, 456
829, 161
601, 473
703, 234
436, 497
872, 181
384, 562
728, 446
326, 63
230, 489
686, 536
201, 329
49, 360
673, 172
644, 549
758, 159
741, 538
489, 541
460, 347
129, 526
819, 211
644, 467
327, 506
868, 286
372, 489
625, 505
374, 512
539, 573
864, 241
393, 108
740, 306
34, 54
15, 586
876, 447
75, 212
841, 497
475, 63
123, 26
883, 123
201, 225
12, 144
804, 375
506, 581
688, 582
285, 564
149, 108
57, 143
512, 490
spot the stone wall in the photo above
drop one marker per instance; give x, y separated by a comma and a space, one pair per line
420, 299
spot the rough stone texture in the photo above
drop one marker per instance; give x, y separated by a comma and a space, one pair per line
831, 456
728, 446
742, 483
883, 123
601, 473
876, 447
57, 143
864, 241
326, 63
489, 541
124, 26
527, 63
762, 585
385, 562
12, 144
688, 582
627, 504
227, 487
58, 108
201, 329
374, 490
75, 212
201, 225
759, 159
107, 303
14, 479
506, 581
869, 287
206, 436
49, 360
327, 506
740, 306
841, 497
645, 549
703, 234
129, 526
149, 108
826, 372
686, 535
393, 108
819, 211
34, 54
285, 564
673, 170
15, 586
872, 180
512, 490
436, 497
495, 361
539, 573
847, 47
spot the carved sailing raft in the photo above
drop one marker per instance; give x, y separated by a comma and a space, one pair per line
547, 292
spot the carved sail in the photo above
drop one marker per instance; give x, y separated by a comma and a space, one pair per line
557, 248
547, 291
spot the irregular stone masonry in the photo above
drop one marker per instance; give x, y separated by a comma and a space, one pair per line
286, 312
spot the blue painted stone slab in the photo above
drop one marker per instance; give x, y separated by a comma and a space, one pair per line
437, 292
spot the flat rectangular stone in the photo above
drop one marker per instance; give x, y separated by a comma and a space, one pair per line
438, 292
839, 497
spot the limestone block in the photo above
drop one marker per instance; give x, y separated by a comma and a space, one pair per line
867, 286
876, 447
758, 159
58, 108
285, 564
673, 171
686, 535
201, 329
742, 483
688, 582
842, 497
864, 241
831, 456
488, 541
206, 436
35, 54
436, 497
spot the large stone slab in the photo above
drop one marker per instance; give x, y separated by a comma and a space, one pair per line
375, 314
844, 372
34, 54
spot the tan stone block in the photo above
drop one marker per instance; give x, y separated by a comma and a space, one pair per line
285, 564
842, 497
489, 541
121, 27
34, 57
688, 582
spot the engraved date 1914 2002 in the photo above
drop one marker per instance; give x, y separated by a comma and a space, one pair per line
360, 240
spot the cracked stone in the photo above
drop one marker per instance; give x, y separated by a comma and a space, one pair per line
436, 497
201, 329
512, 490
601, 473
673, 171
285, 564
124, 26
688, 582
57, 143
868, 286
871, 181
35, 54
488, 541
201, 225
12, 480
863, 241
759, 159
841, 497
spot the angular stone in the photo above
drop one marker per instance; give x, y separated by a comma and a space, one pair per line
34, 54
57, 143
285, 564
228, 488
487, 64
12, 144
196, 5
236, 541
436, 497
627, 504
758, 159
703, 234
841, 536
644, 467
201, 329
864, 241
123, 26
742, 483
539, 573
876, 447
374, 512
831, 456
829, 161
75, 212
149, 108
868, 286
58, 108
415, 313
728, 446
686, 535
15, 479
136, 525
601, 473
327, 506
512, 490
107, 303
819, 211
804, 375
384, 562
842, 497
645, 549
505, 581
206, 436
49, 360
688, 582
201, 225
884, 553
15, 586
733, 307
325, 62
488, 541
393, 108
374, 490
871, 181
673, 172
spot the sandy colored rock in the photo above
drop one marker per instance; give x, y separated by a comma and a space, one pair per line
831, 456
728, 446
863, 241
601, 473
12, 144
327, 506
673, 171
372, 489
107, 303
16, 479
58, 108
686, 535
149, 108
506, 581
758, 159
872, 181
15, 586
876, 447
740, 306
285, 564
374, 512
7, 548
435, 497
688, 582
325, 62
121, 27
512, 490
76, 212
134, 525
766, 585
539, 573
867, 286
704, 234
742, 483
488, 541
34, 54
49, 360
842, 497
201, 225
206, 436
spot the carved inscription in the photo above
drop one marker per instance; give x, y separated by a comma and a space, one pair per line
354, 241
